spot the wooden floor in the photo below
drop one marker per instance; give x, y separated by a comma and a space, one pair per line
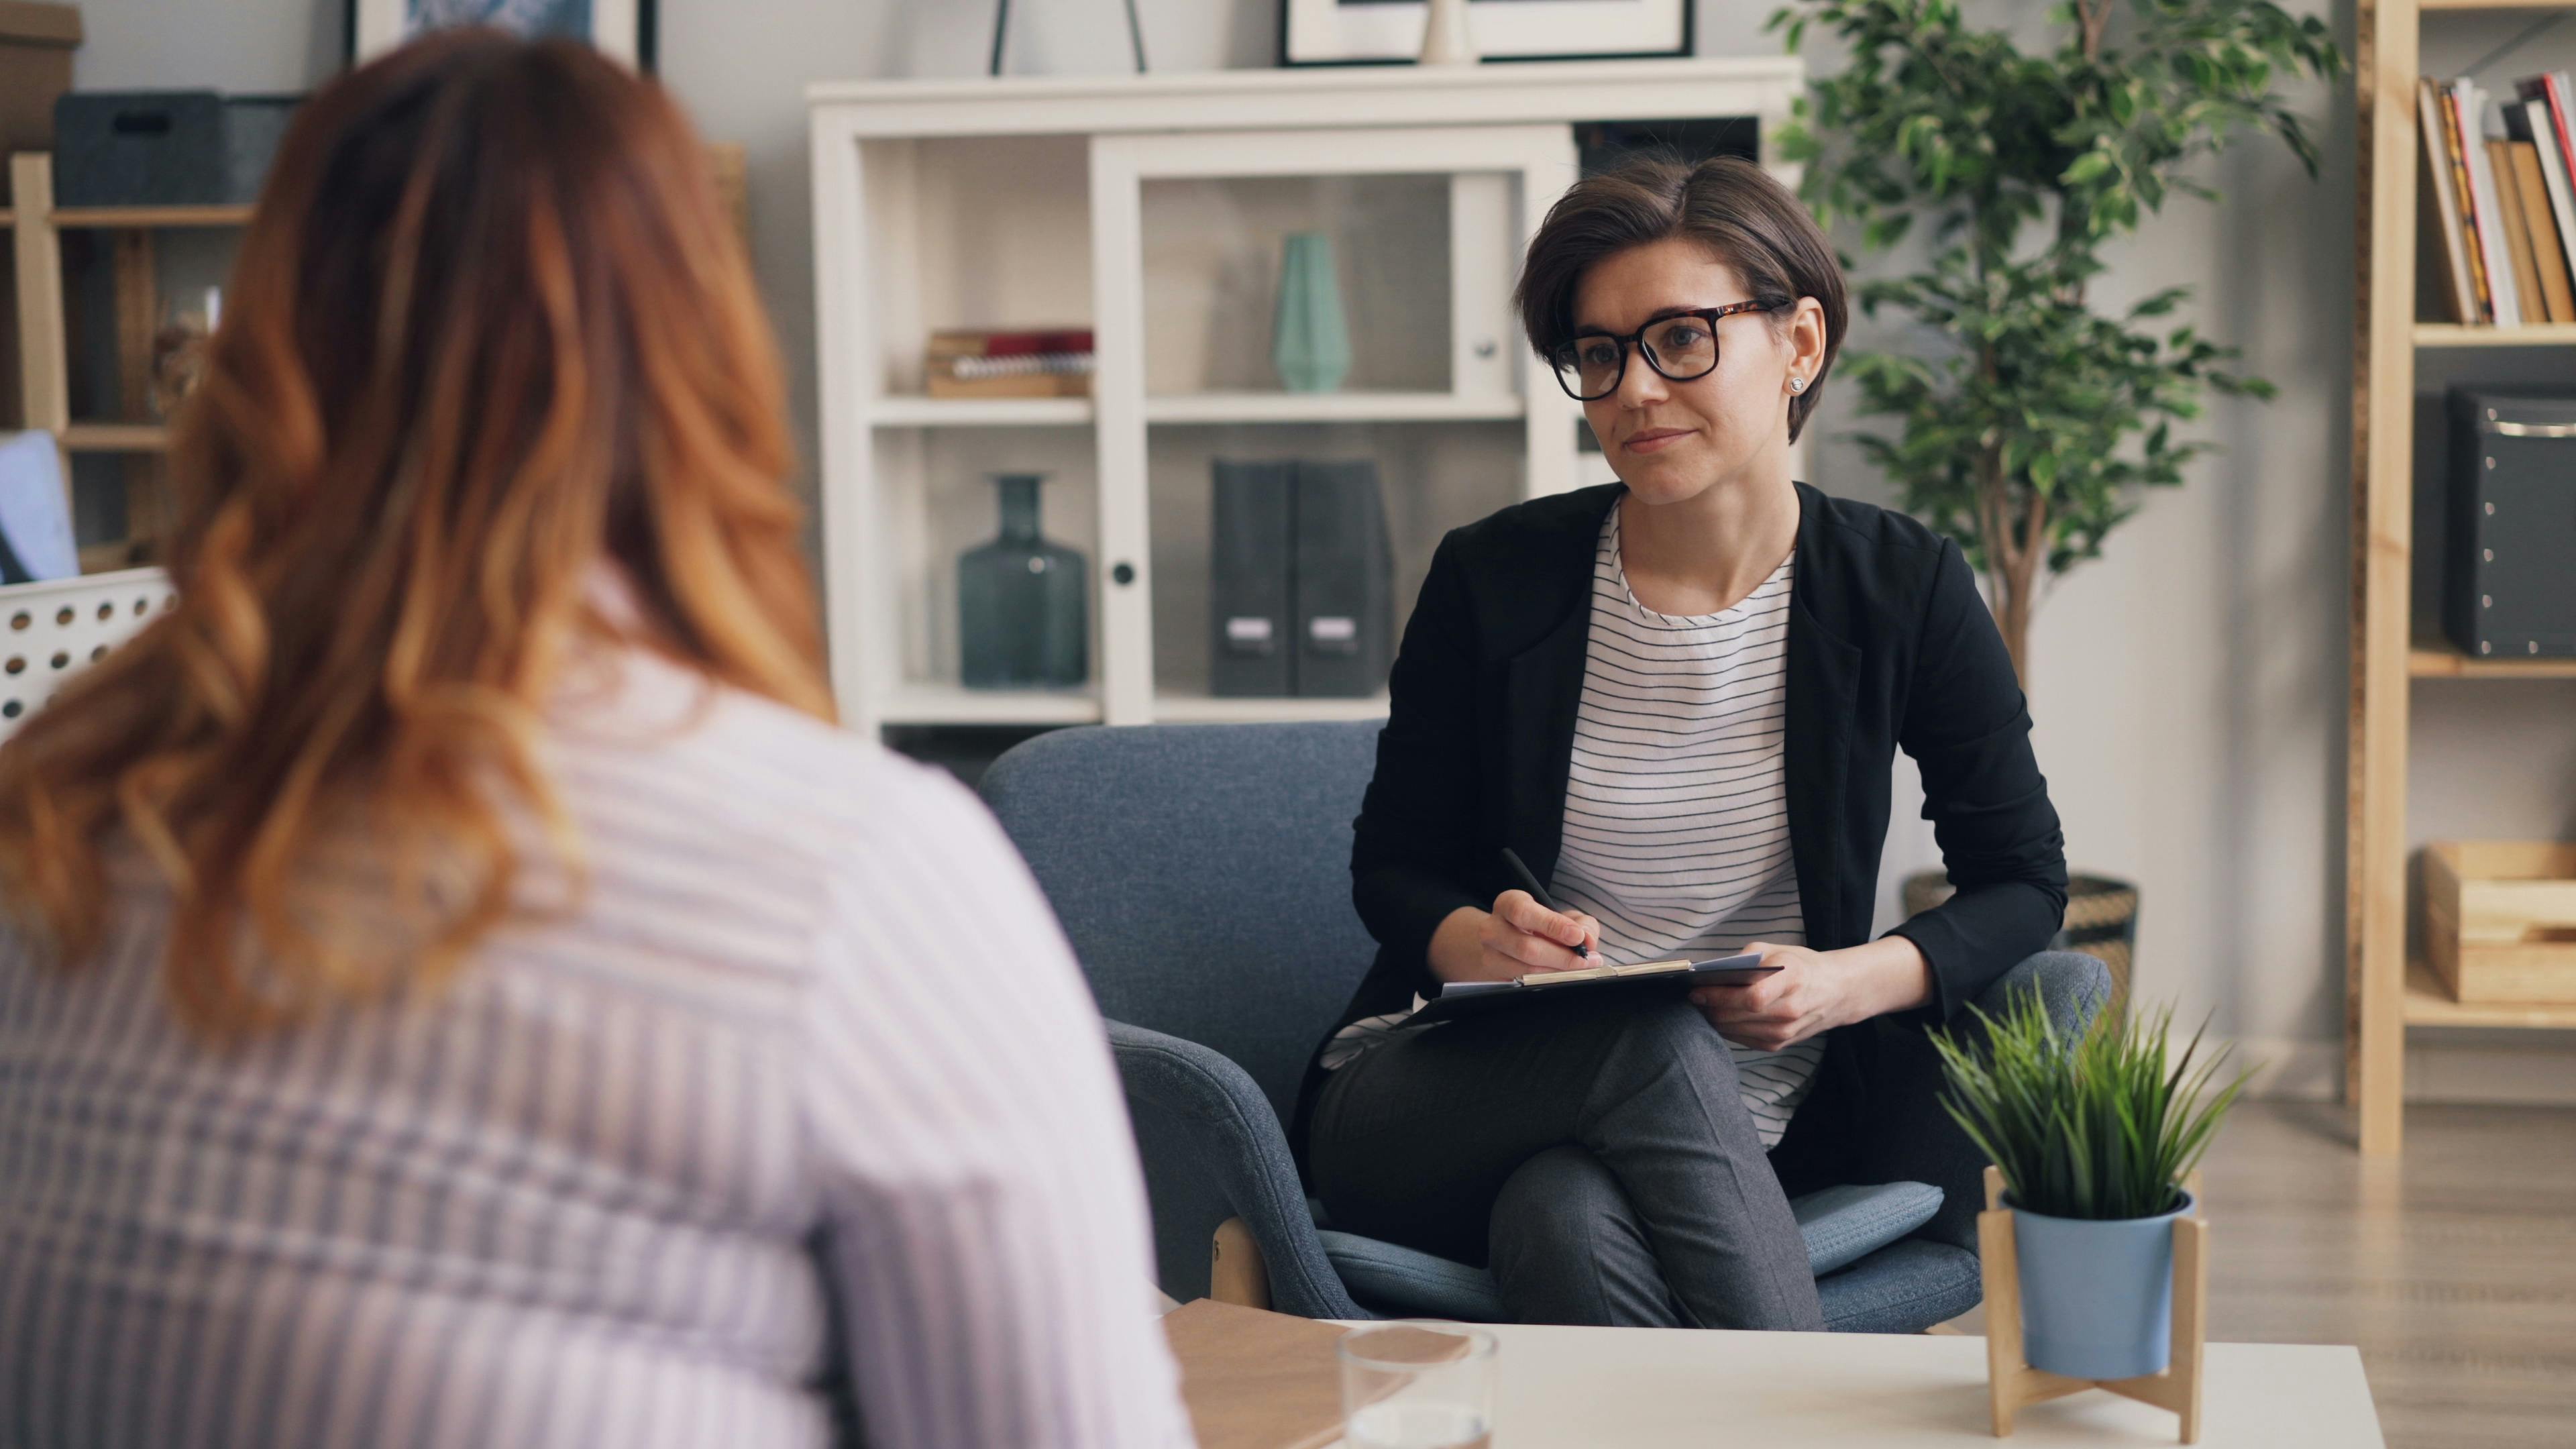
2454, 1268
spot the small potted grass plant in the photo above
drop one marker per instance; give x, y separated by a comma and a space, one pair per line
2094, 1136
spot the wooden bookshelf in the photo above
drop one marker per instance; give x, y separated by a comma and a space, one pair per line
32, 245
115, 438
2429, 1003
2384, 993
36, 228
2454, 334
2437, 659
148, 218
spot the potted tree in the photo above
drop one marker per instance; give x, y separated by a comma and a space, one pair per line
2030, 422
2094, 1137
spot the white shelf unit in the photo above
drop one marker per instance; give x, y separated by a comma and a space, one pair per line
999, 412
1150, 210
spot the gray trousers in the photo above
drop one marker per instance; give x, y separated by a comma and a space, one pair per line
1599, 1160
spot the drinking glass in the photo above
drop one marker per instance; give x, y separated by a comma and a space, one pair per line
1418, 1384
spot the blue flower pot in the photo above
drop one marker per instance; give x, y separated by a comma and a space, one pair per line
2096, 1297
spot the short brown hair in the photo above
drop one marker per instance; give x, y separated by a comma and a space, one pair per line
1725, 203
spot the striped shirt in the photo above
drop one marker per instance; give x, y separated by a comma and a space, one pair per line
1677, 803
801, 1109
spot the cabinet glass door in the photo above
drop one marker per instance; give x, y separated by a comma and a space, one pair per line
1309, 372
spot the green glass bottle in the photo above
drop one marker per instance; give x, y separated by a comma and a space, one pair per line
1022, 615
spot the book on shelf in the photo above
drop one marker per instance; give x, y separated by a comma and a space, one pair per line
2448, 253
2547, 200
2455, 153
2497, 222
2515, 223
2551, 92
2541, 216
1053, 362
2486, 204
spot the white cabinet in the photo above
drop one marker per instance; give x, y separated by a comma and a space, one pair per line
1153, 211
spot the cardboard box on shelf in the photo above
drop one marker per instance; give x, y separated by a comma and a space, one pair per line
36, 43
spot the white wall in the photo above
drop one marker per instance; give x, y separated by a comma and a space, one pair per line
2189, 687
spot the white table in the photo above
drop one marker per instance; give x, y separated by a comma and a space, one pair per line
1634, 1388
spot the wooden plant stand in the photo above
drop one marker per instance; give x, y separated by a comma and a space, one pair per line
2012, 1382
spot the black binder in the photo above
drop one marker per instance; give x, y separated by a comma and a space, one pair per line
1249, 652
1344, 582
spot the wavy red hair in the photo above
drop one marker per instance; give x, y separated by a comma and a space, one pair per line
490, 340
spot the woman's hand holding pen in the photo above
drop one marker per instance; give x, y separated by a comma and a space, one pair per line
1516, 938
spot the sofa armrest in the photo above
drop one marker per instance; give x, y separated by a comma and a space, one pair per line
1213, 1149
1913, 1138
2071, 985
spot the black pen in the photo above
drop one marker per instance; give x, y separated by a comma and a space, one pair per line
1529, 882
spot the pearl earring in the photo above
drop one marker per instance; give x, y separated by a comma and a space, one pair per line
1797, 384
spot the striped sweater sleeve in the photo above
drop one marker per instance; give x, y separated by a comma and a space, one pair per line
984, 1211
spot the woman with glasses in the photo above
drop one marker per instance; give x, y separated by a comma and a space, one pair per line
1676, 697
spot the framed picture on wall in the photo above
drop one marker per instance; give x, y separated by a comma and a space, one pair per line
1347, 32
620, 28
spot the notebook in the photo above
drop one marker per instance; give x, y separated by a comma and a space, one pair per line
1460, 1000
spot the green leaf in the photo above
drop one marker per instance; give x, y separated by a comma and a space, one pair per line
2091, 166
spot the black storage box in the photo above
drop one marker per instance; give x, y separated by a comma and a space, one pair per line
139, 148
2509, 580
253, 127
164, 148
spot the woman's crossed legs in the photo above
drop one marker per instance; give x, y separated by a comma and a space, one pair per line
1599, 1158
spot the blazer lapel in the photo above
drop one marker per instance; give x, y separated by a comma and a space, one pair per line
1823, 672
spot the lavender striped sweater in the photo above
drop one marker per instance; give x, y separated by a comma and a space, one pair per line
804, 1102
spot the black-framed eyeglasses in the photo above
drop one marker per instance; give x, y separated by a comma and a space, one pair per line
1681, 347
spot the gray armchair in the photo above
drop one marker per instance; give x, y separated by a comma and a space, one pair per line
1202, 874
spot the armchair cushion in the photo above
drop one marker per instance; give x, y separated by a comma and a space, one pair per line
1843, 1225
1905, 1287
1407, 1283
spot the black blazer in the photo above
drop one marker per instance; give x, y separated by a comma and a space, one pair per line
1889, 646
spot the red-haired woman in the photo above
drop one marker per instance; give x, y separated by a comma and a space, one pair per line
460, 987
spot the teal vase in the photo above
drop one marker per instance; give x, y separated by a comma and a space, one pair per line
1312, 340
1021, 613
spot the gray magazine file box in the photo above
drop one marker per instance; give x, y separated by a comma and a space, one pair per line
1344, 582
1252, 537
